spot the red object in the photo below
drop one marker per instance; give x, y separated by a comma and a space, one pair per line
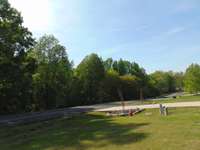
130, 113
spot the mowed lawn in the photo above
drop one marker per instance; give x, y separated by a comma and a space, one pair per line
95, 131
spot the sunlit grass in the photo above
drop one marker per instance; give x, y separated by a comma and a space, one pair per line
94, 131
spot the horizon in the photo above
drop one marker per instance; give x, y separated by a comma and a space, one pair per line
156, 35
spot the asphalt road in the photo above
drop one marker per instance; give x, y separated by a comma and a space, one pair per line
150, 106
41, 116
68, 112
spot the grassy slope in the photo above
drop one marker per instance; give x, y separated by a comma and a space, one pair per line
148, 130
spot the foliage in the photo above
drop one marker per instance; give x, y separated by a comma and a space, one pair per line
124, 67
15, 69
130, 87
179, 78
108, 87
52, 79
90, 72
192, 78
37, 75
164, 82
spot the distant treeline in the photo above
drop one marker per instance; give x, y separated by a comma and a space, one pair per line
37, 75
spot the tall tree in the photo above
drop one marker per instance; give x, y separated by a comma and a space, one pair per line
52, 80
192, 79
90, 72
108, 64
109, 86
164, 82
129, 86
179, 78
15, 78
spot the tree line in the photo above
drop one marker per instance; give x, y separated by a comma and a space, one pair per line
37, 75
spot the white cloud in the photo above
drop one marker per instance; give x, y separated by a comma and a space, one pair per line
37, 14
175, 31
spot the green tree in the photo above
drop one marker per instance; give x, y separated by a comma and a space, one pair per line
109, 86
124, 67
171, 81
15, 69
90, 72
164, 82
121, 66
192, 79
108, 64
129, 86
179, 77
52, 80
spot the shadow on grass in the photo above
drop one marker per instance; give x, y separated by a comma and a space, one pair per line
83, 132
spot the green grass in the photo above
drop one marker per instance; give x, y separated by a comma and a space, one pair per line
94, 131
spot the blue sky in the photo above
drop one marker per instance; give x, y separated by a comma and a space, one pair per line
157, 34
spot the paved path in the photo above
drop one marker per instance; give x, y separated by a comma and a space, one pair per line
149, 106
67, 112
41, 116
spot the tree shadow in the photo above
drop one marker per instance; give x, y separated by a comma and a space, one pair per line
81, 132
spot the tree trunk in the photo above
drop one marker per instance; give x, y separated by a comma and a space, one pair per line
121, 98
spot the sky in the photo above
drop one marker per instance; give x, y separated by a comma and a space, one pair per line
157, 34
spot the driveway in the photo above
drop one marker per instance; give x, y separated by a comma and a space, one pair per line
68, 112
41, 116
150, 106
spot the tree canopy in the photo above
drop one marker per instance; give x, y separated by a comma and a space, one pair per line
38, 75
15, 69
90, 72
192, 78
52, 78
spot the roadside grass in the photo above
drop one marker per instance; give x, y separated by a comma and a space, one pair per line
95, 131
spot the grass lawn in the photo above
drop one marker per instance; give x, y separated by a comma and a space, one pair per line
94, 131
